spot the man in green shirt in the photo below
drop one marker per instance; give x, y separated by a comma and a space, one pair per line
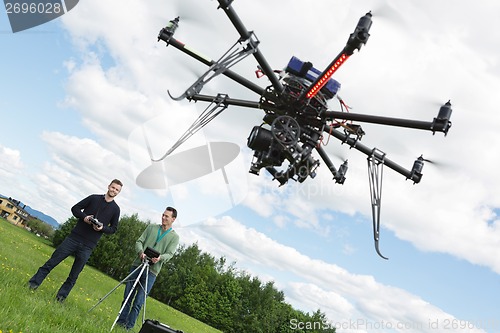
161, 238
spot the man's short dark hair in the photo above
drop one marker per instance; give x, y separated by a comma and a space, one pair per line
173, 210
116, 181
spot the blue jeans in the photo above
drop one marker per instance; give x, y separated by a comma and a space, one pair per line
131, 310
67, 248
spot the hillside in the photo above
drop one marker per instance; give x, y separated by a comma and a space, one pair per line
38, 214
42, 217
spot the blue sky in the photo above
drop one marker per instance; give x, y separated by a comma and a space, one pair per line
86, 94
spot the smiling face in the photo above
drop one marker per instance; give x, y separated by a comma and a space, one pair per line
113, 190
167, 219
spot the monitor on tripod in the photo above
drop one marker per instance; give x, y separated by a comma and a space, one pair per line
151, 253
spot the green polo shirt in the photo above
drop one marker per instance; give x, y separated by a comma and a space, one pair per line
166, 246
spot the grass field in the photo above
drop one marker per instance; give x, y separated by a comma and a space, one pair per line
25, 311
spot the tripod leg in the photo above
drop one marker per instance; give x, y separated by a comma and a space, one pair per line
119, 284
145, 295
143, 266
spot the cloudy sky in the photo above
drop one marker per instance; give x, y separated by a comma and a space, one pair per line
84, 99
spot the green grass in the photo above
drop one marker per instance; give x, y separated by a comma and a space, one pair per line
25, 311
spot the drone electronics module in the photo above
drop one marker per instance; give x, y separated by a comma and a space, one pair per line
296, 112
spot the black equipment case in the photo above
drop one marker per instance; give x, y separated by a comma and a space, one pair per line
154, 326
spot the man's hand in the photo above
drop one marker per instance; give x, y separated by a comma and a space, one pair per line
155, 260
96, 228
87, 218
143, 257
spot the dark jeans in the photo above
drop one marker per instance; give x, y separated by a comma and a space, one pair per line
67, 248
130, 311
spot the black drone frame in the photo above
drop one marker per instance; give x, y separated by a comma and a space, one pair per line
298, 112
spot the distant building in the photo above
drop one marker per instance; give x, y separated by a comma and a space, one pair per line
13, 211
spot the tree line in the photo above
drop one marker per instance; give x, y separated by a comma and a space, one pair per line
204, 287
40, 228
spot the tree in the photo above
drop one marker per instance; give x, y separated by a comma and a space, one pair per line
39, 227
63, 231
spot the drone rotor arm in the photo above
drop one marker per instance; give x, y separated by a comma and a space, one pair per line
339, 177
227, 101
358, 38
323, 78
196, 55
441, 123
354, 143
389, 121
360, 35
245, 34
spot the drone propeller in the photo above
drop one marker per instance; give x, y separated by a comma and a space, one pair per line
418, 165
383, 11
434, 162
426, 160
339, 155
184, 8
424, 101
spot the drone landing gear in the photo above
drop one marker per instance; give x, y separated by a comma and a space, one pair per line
217, 105
240, 50
375, 172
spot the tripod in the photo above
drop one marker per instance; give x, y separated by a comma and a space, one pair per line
143, 267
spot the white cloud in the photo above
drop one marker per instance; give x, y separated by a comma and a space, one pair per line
14, 182
10, 161
346, 298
